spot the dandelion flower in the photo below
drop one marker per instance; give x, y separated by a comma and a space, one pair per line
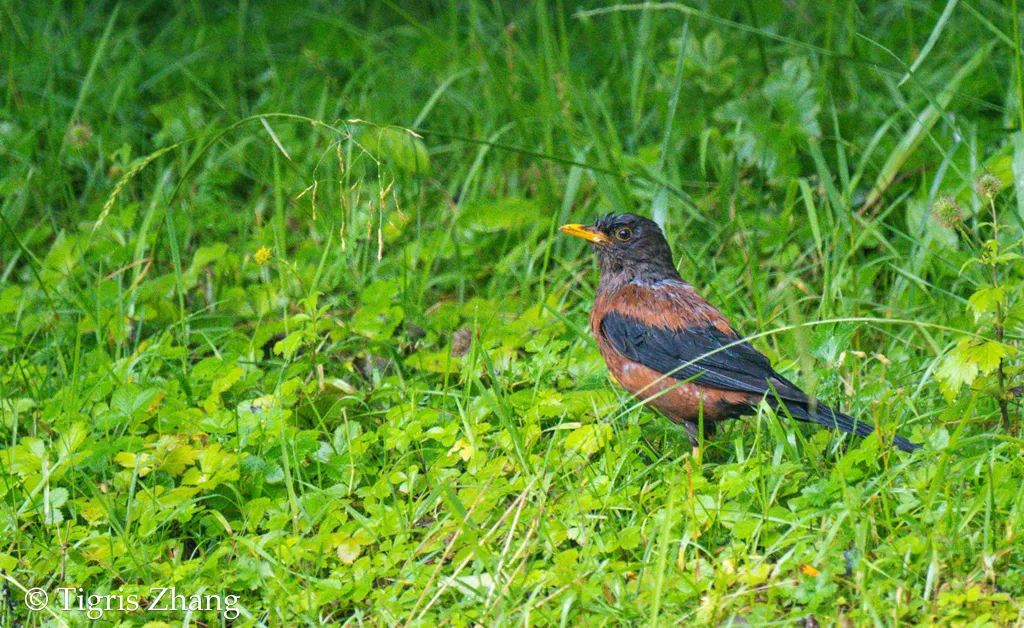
262, 256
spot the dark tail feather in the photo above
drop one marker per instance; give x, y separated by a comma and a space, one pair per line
826, 416
904, 444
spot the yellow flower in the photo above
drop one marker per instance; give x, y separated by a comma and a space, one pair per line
463, 449
262, 256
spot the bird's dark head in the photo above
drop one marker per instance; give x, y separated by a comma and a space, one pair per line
628, 247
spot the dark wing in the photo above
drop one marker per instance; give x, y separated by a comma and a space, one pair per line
713, 358
704, 355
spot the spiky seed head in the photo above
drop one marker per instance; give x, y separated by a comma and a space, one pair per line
987, 186
947, 211
79, 134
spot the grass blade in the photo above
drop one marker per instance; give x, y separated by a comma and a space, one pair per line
90, 73
934, 37
1018, 170
921, 126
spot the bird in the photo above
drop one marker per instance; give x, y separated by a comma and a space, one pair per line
673, 350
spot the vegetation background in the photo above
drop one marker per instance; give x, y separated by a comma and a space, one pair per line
257, 337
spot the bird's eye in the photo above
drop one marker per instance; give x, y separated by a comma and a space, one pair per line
624, 234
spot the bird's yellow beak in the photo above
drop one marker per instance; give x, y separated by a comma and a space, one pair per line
590, 234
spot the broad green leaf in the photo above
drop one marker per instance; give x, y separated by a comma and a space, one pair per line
177, 457
588, 439
72, 439
348, 550
131, 461
290, 344
376, 321
226, 381
10, 299
7, 562
956, 369
10, 408
986, 301
988, 354
435, 361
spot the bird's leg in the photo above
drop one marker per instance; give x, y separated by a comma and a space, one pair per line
693, 432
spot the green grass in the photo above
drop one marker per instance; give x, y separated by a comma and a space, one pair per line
399, 417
